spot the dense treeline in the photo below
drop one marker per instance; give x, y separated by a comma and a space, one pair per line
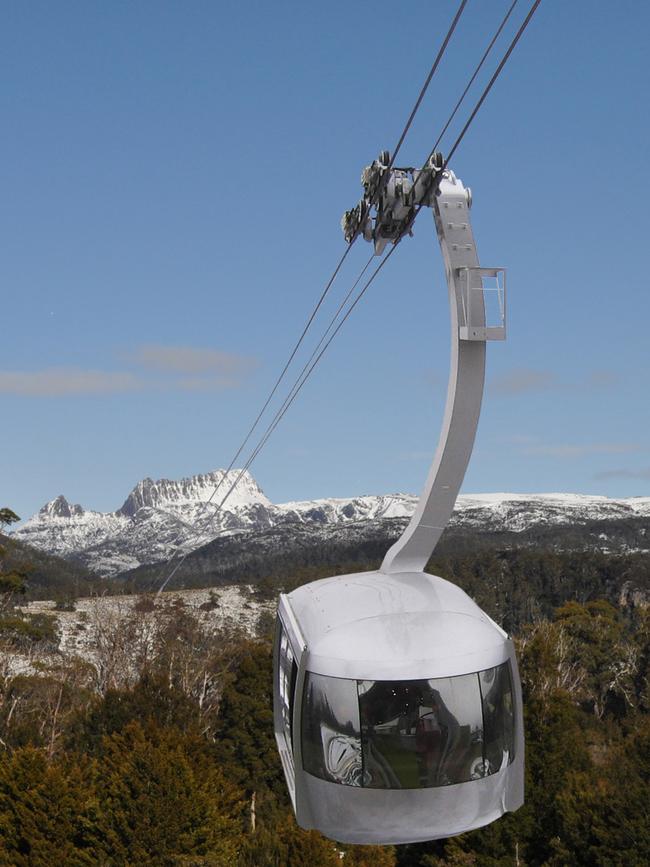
287, 549
158, 749
520, 585
515, 586
173, 761
514, 583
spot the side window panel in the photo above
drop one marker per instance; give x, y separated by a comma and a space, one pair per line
331, 743
287, 671
499, 717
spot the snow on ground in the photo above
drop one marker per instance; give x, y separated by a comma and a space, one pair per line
83, 632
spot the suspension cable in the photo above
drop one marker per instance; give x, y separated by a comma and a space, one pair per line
400, 141
427, 82
302, 379
307, 370
268, 400
490, 83
283, 372
473, 78
310, 365
483, 96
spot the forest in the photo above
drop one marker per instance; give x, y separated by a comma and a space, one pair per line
160, 751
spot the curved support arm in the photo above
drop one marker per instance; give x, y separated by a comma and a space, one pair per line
465, 391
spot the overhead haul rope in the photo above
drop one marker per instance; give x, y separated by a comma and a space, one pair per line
316, 355
309, 367
277, 383
400, 141
279, 413
298, 384
475, 73
302, 379
483, 96
427, 82
206, 503
495, 75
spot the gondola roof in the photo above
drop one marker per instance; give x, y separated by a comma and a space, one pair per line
403, 626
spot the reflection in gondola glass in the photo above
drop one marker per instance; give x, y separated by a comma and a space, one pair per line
408, 734
498, 716
331, 742
287, 672
421, 733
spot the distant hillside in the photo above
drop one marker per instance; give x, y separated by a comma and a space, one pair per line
49, 576
249, 557
516, 577
157, 516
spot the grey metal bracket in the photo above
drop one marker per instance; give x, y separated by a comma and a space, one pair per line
491, 282
467, 284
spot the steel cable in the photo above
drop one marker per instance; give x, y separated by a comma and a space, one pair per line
475, 73
206, 503
400, 141
298, 384
427, 82
253, 427
490, 83
483, 96
259, 416
310, 365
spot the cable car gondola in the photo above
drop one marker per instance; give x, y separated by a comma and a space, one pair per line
397, 701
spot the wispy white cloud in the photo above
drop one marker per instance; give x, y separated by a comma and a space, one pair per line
578, 450
602, 379
642, 473
415, 455
191, 360
61, 381
523, 381
162, 368
526, 380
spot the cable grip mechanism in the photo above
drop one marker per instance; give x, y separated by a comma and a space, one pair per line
391, 200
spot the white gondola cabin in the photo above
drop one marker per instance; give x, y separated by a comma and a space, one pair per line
397, 701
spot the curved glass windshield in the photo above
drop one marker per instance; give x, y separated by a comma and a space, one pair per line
410, 734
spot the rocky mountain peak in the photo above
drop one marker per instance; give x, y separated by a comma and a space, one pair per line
167, 493
60, 508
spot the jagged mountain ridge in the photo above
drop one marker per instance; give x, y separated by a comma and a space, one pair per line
157, 515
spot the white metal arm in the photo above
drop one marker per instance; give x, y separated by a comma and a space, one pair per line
465, 391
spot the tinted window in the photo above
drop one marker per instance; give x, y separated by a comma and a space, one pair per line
408, 734
420, 733
287, 671
498, 716
331, 744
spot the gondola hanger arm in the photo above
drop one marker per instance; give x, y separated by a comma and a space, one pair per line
470, 331
393, 197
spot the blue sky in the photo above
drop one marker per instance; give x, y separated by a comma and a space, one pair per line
173, 176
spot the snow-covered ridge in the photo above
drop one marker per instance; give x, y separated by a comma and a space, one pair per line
158, 515
517, 512
176, 495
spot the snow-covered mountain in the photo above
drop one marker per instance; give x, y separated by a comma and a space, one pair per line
159, 515
155, 518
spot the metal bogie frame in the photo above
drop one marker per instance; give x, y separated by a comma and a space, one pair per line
356, 640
